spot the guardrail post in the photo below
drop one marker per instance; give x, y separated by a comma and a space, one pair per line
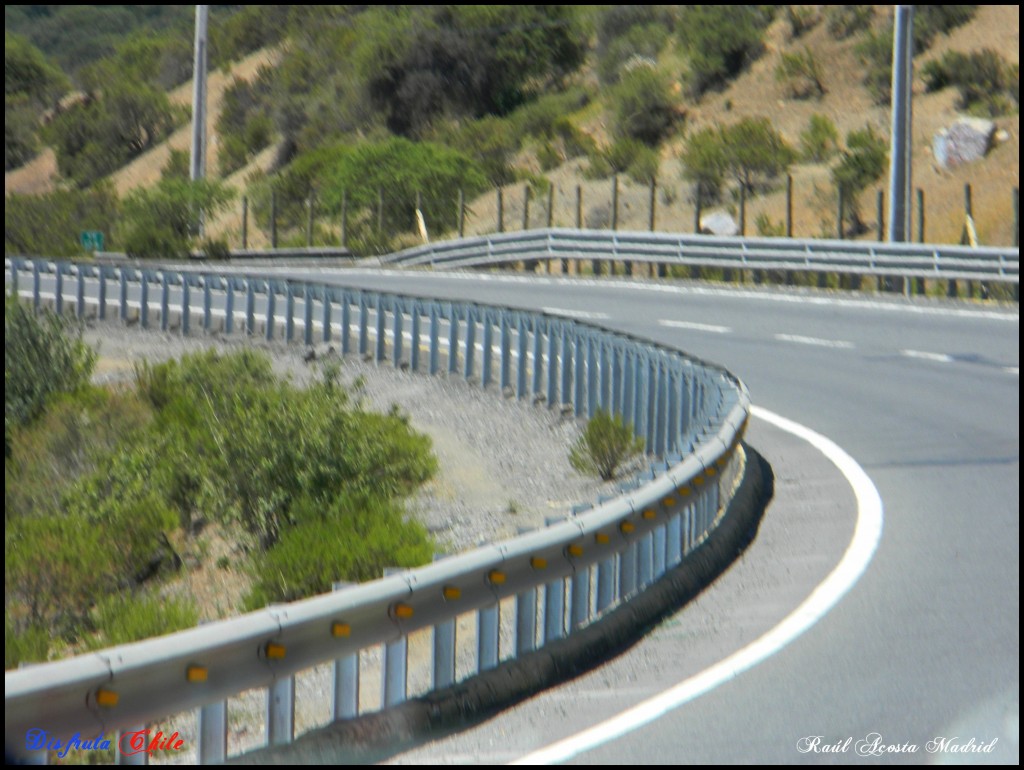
208, 303
271, 310
629, 373
538, 357
101, 310
645, 560
579, 380
80, 294
136, 757
281, 711
396, 334
144, 300
470, 342
488, 622
289, 312
122, 292
565, 392
345, 703
673, 541
186, 310
435, 334
604, 391
505, 350
488, 343
164, 301
380, 341
658, 537
580, 587
660, 417
605, 584
453, 339
307, 314
36, 286
59, 292
250, 306
325, 313
501, 213
414, 333
213, 733
346, 320
552, 364
593, 383
628, 569
521, 352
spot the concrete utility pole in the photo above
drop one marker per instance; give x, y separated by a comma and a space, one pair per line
899, 155
197, 166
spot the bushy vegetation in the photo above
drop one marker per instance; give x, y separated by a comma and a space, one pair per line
31, 83
800, 74
820, 140
751, 151
163, 221
105, 490
988, 84
630, 33
862, 163
721, 40
606, 445
644, 106
51, 224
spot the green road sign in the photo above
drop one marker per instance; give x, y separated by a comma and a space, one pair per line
92, 240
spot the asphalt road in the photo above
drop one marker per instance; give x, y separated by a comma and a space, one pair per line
925, 647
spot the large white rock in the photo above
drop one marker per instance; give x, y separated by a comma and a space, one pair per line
718, 223
966, 140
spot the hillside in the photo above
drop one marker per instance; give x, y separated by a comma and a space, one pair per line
755, 92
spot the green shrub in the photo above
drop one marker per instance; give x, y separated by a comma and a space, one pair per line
644, 106
988, 84
720, 41
124, 618
30, 644
820, 140
43, 355
801, 19
930, 21
606, 445
162, 222
353, 537
800, 74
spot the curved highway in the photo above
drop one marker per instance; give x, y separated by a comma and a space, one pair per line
919, 661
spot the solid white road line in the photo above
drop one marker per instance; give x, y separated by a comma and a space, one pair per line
573, 313
942, 358
855, 560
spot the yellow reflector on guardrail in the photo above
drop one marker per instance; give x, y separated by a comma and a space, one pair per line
341, 630
275, 651
196, 673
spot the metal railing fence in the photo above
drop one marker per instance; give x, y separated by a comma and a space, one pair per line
690, 415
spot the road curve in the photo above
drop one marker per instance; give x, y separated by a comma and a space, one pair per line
919, 662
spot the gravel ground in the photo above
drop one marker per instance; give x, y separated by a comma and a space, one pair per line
503, 467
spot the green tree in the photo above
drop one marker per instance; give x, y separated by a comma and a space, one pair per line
705, 162
629, 32
606, 445
161, 222
863, 162
755, 152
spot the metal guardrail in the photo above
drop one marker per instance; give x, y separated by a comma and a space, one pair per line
819, 256
689, 413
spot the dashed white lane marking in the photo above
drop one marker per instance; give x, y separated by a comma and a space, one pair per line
858, 555
814, 341
1014, 370
574, 313
695, 326
942, 358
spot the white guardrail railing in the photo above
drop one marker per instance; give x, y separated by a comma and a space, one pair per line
894, 260
563, 578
